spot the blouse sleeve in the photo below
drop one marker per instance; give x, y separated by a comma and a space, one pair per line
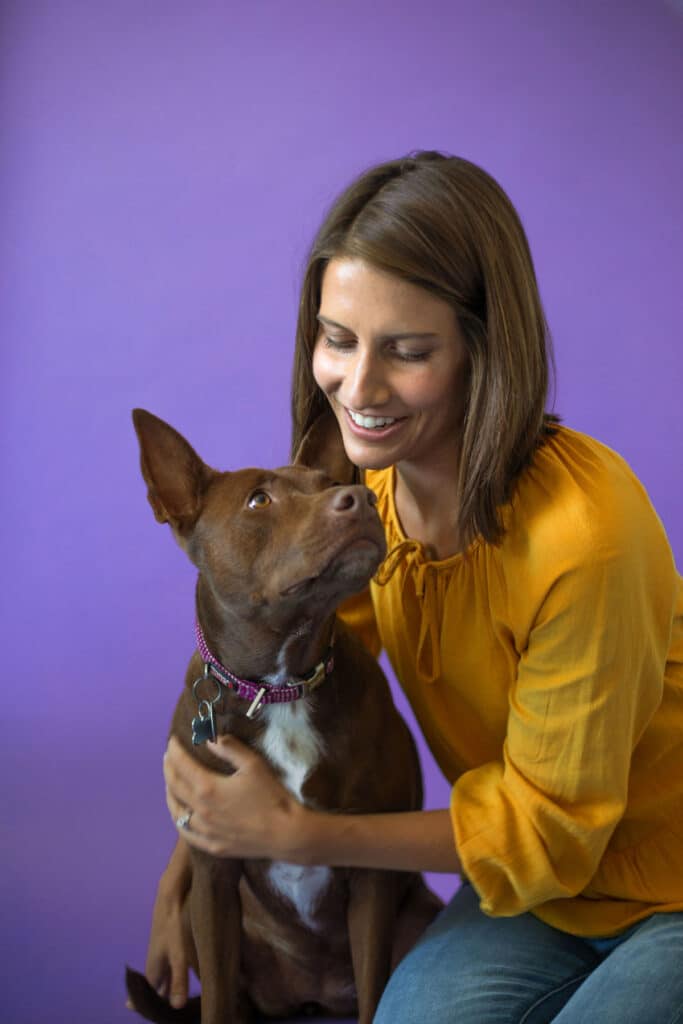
534, 826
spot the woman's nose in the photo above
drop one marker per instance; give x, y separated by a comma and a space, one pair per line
367, 386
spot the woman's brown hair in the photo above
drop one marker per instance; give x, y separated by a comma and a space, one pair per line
444, 224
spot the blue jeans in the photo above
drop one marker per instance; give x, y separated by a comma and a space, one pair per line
472, 969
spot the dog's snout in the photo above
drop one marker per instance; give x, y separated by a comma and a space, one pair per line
344, 500
349, 499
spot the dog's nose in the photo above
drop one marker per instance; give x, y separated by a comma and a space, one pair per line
347, 499
344, 500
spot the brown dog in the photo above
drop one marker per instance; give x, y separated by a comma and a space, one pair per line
276, 553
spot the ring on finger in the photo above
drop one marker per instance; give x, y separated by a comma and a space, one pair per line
183, 820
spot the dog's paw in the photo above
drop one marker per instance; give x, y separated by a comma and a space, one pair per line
149, 1004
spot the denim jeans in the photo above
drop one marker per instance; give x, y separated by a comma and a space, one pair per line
472, 969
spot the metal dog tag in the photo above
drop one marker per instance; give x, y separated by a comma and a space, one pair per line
204, 724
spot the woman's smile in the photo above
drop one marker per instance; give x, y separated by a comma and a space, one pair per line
373, 428
371, 422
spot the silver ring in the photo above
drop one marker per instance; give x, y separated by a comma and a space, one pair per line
183, 820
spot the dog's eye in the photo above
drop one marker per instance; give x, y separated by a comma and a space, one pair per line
259, 499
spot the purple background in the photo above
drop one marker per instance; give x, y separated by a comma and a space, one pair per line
163, 168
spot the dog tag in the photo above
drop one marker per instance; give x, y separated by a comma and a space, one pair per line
203, 725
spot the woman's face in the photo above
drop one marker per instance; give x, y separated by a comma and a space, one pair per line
392, 361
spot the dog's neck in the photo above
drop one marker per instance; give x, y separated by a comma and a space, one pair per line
254, 649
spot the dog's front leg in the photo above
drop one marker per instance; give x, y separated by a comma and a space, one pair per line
372, 912
215, 914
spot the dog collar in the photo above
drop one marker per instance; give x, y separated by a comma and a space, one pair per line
261, 692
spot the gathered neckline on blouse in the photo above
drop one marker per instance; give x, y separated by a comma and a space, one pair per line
402, 544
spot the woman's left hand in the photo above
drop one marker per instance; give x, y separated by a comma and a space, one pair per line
248, 814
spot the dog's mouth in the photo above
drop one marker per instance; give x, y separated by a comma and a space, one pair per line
360, 549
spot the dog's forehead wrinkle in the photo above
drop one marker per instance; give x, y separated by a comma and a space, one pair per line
232, 489
290, 484
308, 480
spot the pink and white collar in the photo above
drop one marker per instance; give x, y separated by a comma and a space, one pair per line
261, 692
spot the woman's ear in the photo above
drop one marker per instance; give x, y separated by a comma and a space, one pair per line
322, 448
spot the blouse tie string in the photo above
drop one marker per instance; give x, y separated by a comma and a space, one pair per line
428, 661
425, 580
393, 559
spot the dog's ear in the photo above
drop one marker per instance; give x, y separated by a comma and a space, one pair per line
176, 477
322, 448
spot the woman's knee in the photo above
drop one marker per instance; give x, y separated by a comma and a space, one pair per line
473, 969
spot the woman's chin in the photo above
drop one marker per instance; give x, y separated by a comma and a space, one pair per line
368, 453
365, 458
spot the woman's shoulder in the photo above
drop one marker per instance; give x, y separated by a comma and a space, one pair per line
572, 468
579, 496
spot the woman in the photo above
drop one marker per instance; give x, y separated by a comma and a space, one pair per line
531, 610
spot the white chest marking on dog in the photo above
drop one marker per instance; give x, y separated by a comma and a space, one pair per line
303, 887
293, 746
290, 743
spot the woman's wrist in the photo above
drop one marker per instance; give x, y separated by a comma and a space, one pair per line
405, 841
303, 831
177, 876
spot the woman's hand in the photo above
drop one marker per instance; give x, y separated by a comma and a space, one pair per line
251, 814
248, 814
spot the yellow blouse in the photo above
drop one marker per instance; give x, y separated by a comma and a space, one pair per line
547, 676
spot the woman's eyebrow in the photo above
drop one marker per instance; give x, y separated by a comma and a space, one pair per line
390, 336
330, 323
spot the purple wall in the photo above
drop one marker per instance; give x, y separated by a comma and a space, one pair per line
163, 168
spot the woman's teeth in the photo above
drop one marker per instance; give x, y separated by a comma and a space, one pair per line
371, 422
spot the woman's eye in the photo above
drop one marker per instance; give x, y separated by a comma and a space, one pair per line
259, 499
337, 343
413, 357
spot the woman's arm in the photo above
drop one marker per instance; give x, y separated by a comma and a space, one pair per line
596, 587
168, 954
407, 841
251, 814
